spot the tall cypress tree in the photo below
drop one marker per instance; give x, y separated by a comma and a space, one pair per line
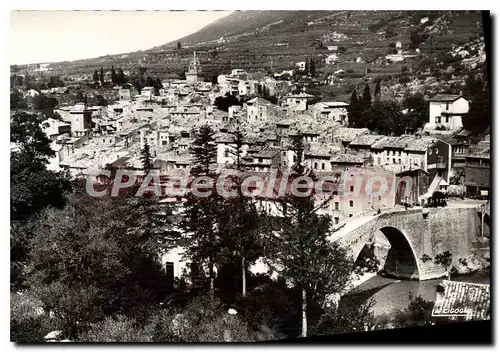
354, 110
102, 75
120, 76
312, 67
96, 76
146, 159
113, 75
366, 100
377, 91
308, 67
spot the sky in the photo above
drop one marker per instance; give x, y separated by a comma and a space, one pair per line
51, 36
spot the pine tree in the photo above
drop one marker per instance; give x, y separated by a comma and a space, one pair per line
204, 152
308, 259
202, 218
366, 100
308, 67
354, 110
146, 159
113, 75
96, 76
102, 75
157, 85
377, 91
242, 236
312, 67
120, 76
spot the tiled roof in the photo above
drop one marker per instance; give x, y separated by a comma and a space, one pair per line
347, 158
445, 97
466, 295
366, 139
268, 152
390, 142
418, 144
347, 134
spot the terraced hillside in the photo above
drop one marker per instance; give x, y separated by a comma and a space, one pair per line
264, 40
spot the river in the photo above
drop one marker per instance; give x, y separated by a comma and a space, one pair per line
390, 294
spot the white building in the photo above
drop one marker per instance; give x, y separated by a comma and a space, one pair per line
301, 65
332, 111
331, 59
297, 102
446, 110
260, 110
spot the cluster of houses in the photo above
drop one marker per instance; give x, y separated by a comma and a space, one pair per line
87, 138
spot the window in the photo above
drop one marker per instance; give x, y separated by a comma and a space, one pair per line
322, 166
336, 220
399, 161
446, 119
351, 203
315, 165
394, 160
351, 188
438, 119
399, 153
350, 215
447, 106
336, 205
260, 160
226, 153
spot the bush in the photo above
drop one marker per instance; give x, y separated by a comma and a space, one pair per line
115, 329
204, 320
28, 323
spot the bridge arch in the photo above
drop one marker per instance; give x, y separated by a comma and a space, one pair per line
400, 259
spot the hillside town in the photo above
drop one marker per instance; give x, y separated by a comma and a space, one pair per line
267, 125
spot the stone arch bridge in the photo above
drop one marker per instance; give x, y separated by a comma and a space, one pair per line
413, 233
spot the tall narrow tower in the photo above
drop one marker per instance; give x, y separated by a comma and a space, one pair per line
194, 74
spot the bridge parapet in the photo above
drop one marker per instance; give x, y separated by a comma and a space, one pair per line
427, 231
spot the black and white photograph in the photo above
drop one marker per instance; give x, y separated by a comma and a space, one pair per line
255, 176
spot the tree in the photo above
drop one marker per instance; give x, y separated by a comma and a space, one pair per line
241, 237
417, 111
307, 258
40, 102
52, 103
444, 259
201, 216
102, 75
55, 81
95, 257
149, 81
366, 100
349, 316
17, 100
146, 159
478, 118
312, 67
101, 101
223, 103
418, 313
307, 70
157, 85
355, 111
113, 75
96, 76
377, 91
179, 46
120, 76
385, 117
32, 186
